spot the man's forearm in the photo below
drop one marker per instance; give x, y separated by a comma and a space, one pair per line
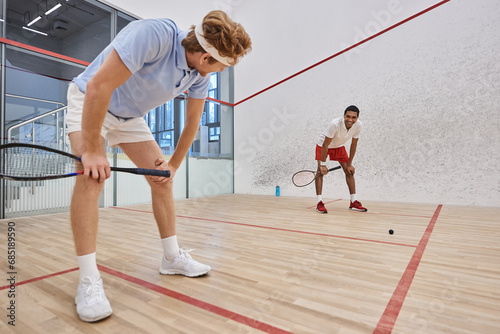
194, 110
94, 111
185, 141
352, 152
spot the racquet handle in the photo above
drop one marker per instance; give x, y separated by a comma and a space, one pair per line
143, 171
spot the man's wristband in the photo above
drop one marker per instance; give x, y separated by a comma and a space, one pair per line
322, 163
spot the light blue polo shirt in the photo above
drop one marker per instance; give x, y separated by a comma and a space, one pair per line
152, 51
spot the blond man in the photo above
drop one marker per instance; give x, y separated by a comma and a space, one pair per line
148, 63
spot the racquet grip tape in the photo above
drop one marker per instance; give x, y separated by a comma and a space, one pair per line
154, 172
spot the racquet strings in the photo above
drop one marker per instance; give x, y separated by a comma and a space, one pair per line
303, 178
34, 162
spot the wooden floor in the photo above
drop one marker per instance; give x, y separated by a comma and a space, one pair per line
277, 267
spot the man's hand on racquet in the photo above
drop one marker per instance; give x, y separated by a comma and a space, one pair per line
161, 164
96, 166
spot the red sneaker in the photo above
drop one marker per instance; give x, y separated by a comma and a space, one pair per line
356, 205
321, 207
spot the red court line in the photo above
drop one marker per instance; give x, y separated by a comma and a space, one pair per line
392, 214
383, 213
390, 315
40, 278
60, 56
198, 303
215, 100
372, 213
53, 54
219, 101
280, 229
336, 200
45, 52
345, 50
176, 295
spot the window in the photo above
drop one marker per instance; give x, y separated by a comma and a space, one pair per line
161, 122
166, 138
211, 114
122, 21
36, 83
166, 124
214, 133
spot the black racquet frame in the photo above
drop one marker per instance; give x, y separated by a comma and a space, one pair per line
138, 171
315, 177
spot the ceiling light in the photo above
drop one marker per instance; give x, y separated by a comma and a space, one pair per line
35, 20
35, 31
53, 9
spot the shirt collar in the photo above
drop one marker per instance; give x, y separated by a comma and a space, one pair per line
180, 52
343, 125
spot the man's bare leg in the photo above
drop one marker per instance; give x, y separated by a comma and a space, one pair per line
84, 205
91, 302
351, 184
175, 261
144, 155
318, 182
349, 178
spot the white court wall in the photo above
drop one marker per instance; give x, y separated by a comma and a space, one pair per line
428, 92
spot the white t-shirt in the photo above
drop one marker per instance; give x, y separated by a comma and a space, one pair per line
339, 133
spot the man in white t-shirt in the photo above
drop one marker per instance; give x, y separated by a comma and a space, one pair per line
331, 144
148, 63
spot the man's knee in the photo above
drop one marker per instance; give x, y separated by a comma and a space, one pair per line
160, 186
88, 185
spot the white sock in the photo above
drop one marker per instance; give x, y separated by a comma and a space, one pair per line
353, 198
319, 198
88, 266
170, 247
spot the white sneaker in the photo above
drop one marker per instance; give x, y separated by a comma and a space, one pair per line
183, 265
91, 302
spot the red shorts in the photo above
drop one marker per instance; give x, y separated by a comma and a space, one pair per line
338, 154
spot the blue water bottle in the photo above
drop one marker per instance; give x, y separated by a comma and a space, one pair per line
277, 190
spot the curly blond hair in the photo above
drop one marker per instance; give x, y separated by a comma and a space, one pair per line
227, 36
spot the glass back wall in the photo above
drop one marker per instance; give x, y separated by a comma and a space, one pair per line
78, 29
46, 44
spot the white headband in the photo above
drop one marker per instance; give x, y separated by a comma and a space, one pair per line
198, 30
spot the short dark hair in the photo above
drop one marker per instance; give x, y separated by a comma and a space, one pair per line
351, 108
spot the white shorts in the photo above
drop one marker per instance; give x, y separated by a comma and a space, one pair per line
116, 130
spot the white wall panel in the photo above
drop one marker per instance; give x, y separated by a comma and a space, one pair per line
428, 94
